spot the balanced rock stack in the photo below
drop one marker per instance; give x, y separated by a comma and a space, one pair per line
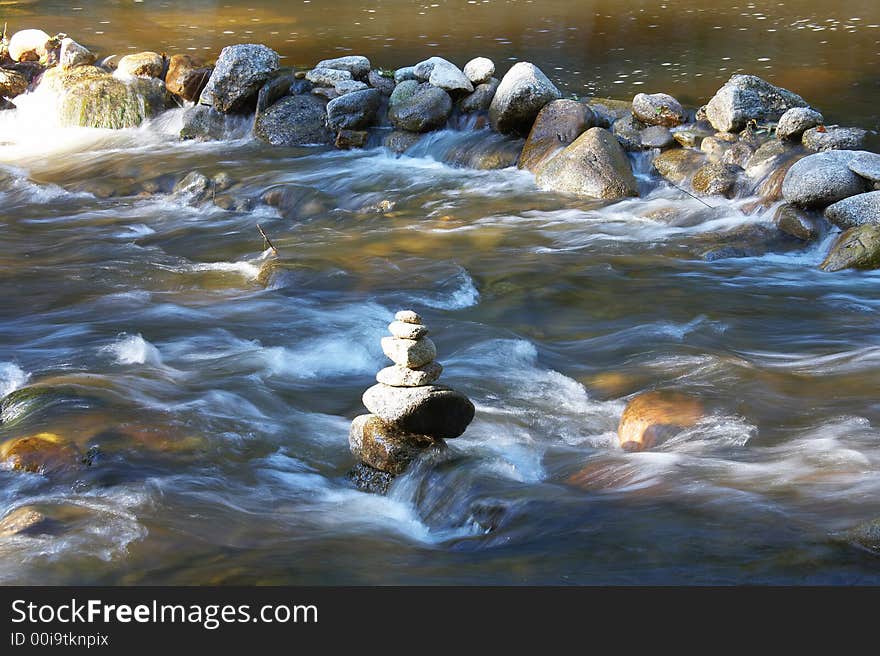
409, 413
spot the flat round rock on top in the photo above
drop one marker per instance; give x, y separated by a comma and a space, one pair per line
479, 70
658, 109
866, 165
357, 65
408, 316
404, 330
409, 352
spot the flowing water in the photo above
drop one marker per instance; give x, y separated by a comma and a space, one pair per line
215, 384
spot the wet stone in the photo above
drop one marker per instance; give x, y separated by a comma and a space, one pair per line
407, 330
397, 376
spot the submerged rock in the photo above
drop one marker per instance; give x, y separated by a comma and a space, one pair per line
353, 111
658, 109
193, 187
91, 97
594, 165
653, 417
369, 479
43, 453
865, 535
747, 98
834, 137
187, 77
384, 447
240, 72
821, 179
522, 93
142, 64
23, 521
856, 210
348, 139
294, 121
857, 248
418, 107
399, 141
797, 120
557, 125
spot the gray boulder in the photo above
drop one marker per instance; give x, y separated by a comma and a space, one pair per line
294, 121
433, 410
747, 97
558, 124
857, 248
349, 86
405, 73
656, 136
444, 75
328, 77
797, 120
356, 65
479, 70
834, 137
522, 93
628, 130
384, 84
821, 179
481, 98
238, 75
860, 209
658, 109
594, 165
353, 111
203, 123
867, 166
418, 107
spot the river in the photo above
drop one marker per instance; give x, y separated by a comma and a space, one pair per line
218, 399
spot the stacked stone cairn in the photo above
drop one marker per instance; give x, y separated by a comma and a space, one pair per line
410, 414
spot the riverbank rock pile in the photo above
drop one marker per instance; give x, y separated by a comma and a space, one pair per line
410, 413
751, 137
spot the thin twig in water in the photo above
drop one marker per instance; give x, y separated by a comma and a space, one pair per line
691, 195
267, 242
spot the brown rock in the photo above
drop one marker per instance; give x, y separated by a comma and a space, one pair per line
348, 139
187, 77
383, 446
42, 453
558, 124
651, 417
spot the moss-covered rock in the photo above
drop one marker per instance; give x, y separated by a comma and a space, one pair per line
91, 97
